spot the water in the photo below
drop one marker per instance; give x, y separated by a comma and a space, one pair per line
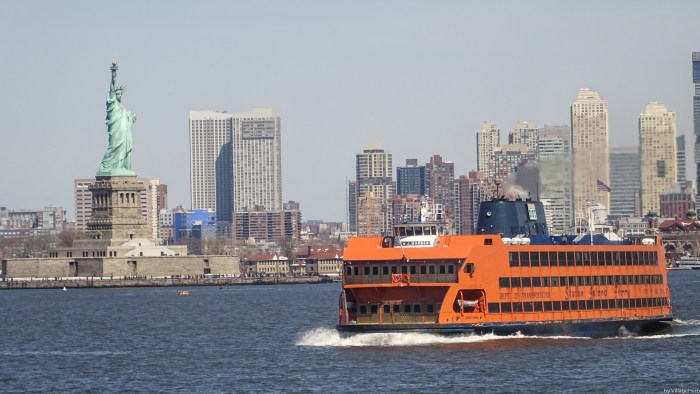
280, 339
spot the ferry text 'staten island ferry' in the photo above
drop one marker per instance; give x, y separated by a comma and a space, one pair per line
512, 277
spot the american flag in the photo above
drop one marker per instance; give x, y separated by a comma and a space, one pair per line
602, 187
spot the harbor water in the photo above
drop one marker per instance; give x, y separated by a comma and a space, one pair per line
280, 338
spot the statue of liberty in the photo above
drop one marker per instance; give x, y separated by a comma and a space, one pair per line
117, 158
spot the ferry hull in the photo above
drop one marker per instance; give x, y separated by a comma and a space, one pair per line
582, 328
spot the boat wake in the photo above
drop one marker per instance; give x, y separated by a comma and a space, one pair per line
327, 337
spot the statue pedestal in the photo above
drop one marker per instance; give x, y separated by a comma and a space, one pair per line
116, 209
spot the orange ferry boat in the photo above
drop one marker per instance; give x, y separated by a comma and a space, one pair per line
512, 277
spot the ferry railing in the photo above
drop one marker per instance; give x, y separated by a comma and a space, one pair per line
387, 279
396, 318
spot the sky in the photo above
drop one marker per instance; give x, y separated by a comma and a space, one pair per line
416, 78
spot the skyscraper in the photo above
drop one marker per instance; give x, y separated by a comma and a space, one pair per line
257, 160
412, 179
374, 181
696, 116
554, 162
211, 164
524, 133
625, 182
487, 140
657, 152
590, 154
680, 158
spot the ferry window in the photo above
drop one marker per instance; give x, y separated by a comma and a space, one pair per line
580, 280
416, 308
547, 306
503, 282
524, 259
348, 271
442, 269
526, 282
418, 230
400, 231
562, 259
586, 258
356, 270
423, 270
616, 258
625, 258
572, 281
579, 258
618, 304
514, 282
611, 280
645, 258
396, 308
633, 279
366, 269
517, 307
565, 305
427, 230
589, 304
537, 306
626, 303
387, 309
431, 269
506, 307
534, 259
594, 258
527, 306
536, 282
450, 269
412, 270
373, 308
407, 308
488, 241
635, 258
569, 258
404, 269
603, 304
430, 308
385, 270
556, 305
394, 269
433, 230
601, 258
563, 281
555, 281
553, 259
363, 309
608, 258
409, 231
375, 270
513, 259
544, 259
494, 307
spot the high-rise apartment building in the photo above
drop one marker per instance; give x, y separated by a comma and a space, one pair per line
657, 152
374, 172
524, 133
487, 141
506, 158
352, 206
211, 162
412, 179
157, 200
554, 163
625, 182
257, 160
442, 182
590, 153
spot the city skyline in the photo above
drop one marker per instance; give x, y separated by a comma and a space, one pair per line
419, 79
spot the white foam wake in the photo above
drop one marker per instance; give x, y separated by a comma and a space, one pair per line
331, 338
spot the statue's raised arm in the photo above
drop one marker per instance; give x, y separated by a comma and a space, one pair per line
117, 158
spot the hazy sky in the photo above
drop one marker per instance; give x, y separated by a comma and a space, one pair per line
416, 77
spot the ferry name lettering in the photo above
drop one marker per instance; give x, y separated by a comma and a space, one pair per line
503, 296
574, 293
407, 243
599, 293
623, 293
540, 294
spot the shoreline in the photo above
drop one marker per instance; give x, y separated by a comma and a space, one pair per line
98, 282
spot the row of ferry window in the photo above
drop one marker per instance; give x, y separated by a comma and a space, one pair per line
403, 269
603, 280
563, 259
575, 305
396, 308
